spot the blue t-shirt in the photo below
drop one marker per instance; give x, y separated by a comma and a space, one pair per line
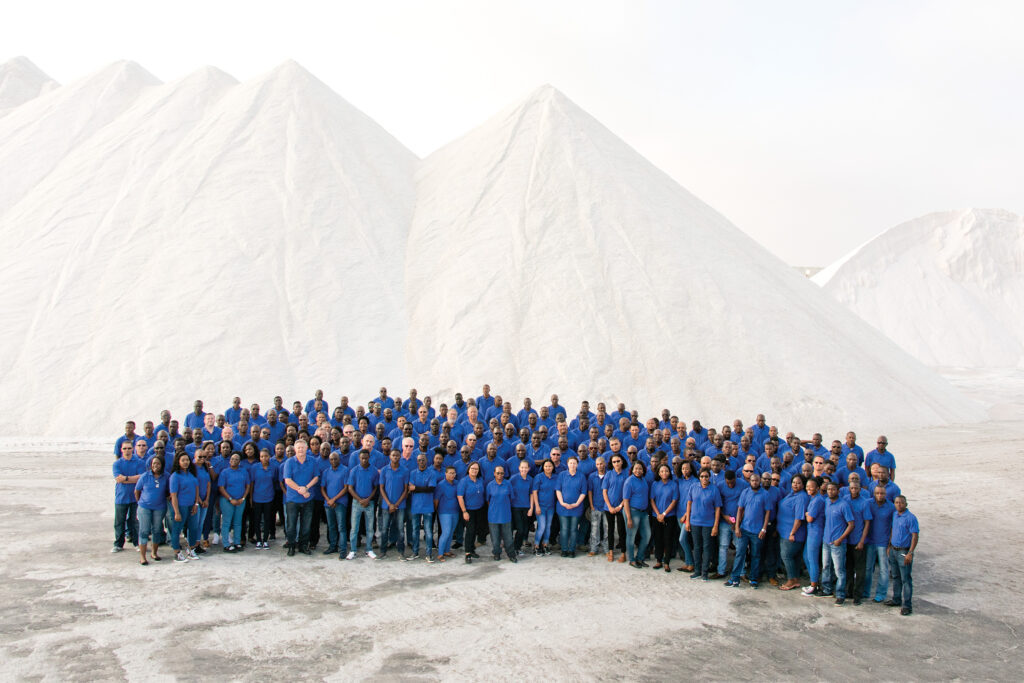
472, 492
730, 497
903, 525
663, 493
124, 494
816, 510
446, 494
363, 480
545, 487
856, 449
683, 485
302, 473
613, 484
487, 467
234, 481
333, 480
572, 487
263, 482
203, 477
637, 492
837, 515
153, 491
595, 485
792, 508
861, 509
394, 482
184, 484
881, 523
422, 503
754, 504
521, 489
499, 503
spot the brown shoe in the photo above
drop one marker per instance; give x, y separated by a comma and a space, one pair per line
716, 576
773, 581
206, 544
622, 557
591, 554
611, 555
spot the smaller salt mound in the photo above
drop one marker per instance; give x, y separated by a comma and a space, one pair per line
948, 287
21, 81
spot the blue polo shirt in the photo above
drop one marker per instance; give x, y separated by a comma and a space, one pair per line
263, 482
837, 515
861, 508
816, 510
595, 485
364, 481
884, 459
663, 493
856, 449
301, 473
153, 491
614, 484
487, 468
472, 492
637, 492
545, 487
422, 503
234, 481
754, 504
512, 466
572, 487
499, 503
333, 480
703, 502
124, 494
521, 489
730, 497
445, 494
792, 508
881, 522
903, 525
394, 483
184, 484
684, 484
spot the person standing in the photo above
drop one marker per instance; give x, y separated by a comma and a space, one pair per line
499, 515
394, 489
522, 504
334, 488
570, 493
815, 517
544, 485
882, 511
471, 501
127, 470
598, 509
235, 486
264, 477
184, 490
905, 536
791, 525
703, 514
422, 483
151, 495
363, 480
664, 501
752, 515
301, 475
838, 527
636, 497
611, 490
446, 501
855, 554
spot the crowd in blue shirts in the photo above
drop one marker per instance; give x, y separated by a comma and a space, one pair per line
740, 504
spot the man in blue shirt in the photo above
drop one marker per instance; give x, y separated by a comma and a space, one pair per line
363, 480
484, 402
902, 544
127, 470
301, 474
194, 420
731, 491
129, 435
839, 523
422, 482
882, 511
394, 488
751, 527
881, 456
851, 447
857, 542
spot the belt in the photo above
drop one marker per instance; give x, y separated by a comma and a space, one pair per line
895, 548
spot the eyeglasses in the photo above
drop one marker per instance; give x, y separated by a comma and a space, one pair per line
748, 471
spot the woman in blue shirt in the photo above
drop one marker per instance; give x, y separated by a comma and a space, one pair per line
612, 492
522, 504
499, 514
234, 486
184, 490
571, 492
664, 501
264, 480
446, 501
151, 494
685, 481
544, 485
790, 523
815, 517
471, 501
636, 495
703, 513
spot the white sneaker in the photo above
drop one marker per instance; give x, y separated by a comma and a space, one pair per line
192, 554
351, 555
116, 549
214, 538
180, 557
372, 555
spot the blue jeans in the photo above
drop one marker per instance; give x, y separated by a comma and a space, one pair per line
360, 513
747, 539
297, 522
397, 518
703, 547
686, 543
567, 527
902, 580
126, 522
448, 521
502, 533
833, 568
337, 527
876, 555
203, 528
151, 523
230, 518
636, 548
812, 557
726, 536
540, 536
791, 552
189, 522
425, 521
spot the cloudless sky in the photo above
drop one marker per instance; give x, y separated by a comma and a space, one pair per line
811, 125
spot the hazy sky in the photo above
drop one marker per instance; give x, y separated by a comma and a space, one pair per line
811, 125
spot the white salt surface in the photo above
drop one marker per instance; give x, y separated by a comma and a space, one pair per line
20, 81
948, 287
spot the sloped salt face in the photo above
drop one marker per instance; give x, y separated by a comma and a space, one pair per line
547, 256
214, 239
21, 81
947, 287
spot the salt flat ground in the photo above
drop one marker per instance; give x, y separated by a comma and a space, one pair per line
71, 610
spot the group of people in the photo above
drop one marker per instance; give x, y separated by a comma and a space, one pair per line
741, 503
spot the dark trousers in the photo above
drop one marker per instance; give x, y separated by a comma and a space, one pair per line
856, 563
263, 524
703, 548
126, 524
616, 525
278, 511
521, 526
665, 536
477, 519
316, 519
299, 517
770, 553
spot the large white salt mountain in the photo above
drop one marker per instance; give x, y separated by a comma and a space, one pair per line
21, 81
199, 239
547, 255
948, 287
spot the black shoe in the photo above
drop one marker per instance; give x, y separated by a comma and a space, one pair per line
291, 551
456, 546
890, 603
644, 564
200, 550
512, 558
564, 554
856, 601
305, 550
469, 559
906, 611
497, 558
474, 555
840, 601
330, 551
572, 553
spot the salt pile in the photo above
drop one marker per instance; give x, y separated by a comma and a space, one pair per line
20, 81
204, 237
948, 287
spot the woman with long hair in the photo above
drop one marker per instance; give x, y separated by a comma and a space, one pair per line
151, 494
184, 490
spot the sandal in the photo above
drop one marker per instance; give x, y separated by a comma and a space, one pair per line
157, 558
143, 563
